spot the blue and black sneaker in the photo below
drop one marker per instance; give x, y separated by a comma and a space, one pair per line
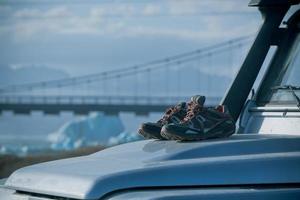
201, 123
173, 115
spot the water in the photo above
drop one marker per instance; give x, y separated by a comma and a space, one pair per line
14, 144
28, 134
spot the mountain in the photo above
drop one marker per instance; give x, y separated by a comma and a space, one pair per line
26, 74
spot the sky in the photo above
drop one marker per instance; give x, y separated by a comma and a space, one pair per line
86, 36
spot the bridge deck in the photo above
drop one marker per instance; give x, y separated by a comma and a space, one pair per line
87, 104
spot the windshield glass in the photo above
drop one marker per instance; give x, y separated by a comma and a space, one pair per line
290, 75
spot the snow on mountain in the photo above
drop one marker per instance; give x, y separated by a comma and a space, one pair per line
29, 73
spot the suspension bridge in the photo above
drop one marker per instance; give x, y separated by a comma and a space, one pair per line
148, 87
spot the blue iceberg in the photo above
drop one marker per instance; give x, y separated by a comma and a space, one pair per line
96, 129
123, 137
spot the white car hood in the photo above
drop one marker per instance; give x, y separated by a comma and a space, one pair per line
240, 159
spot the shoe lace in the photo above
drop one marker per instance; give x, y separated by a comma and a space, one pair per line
169, 112
193, 110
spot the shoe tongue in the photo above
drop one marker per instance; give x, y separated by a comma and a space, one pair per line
181, 105
198, 99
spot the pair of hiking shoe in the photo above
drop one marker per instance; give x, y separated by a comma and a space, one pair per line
190, 122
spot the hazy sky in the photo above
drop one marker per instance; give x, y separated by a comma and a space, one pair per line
87, 36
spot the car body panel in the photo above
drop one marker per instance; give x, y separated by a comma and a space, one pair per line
209, 194
270, 120
240, 159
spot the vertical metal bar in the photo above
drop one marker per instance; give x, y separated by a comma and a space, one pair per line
167, 74
178, 79
135, 84
230, 59
208, 74
118, 85
104, 83
148, 84
199, 75
243, 82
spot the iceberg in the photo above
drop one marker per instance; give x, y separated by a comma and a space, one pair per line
96, 129
124, 137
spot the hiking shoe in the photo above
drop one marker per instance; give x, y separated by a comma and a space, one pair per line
173, 115
201, 123
151, 130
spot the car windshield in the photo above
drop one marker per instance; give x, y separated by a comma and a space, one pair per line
290, 76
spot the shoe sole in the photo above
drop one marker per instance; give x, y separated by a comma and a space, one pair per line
170, 136
145, 135
148, 136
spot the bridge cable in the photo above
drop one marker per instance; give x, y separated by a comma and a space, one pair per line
126, 71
